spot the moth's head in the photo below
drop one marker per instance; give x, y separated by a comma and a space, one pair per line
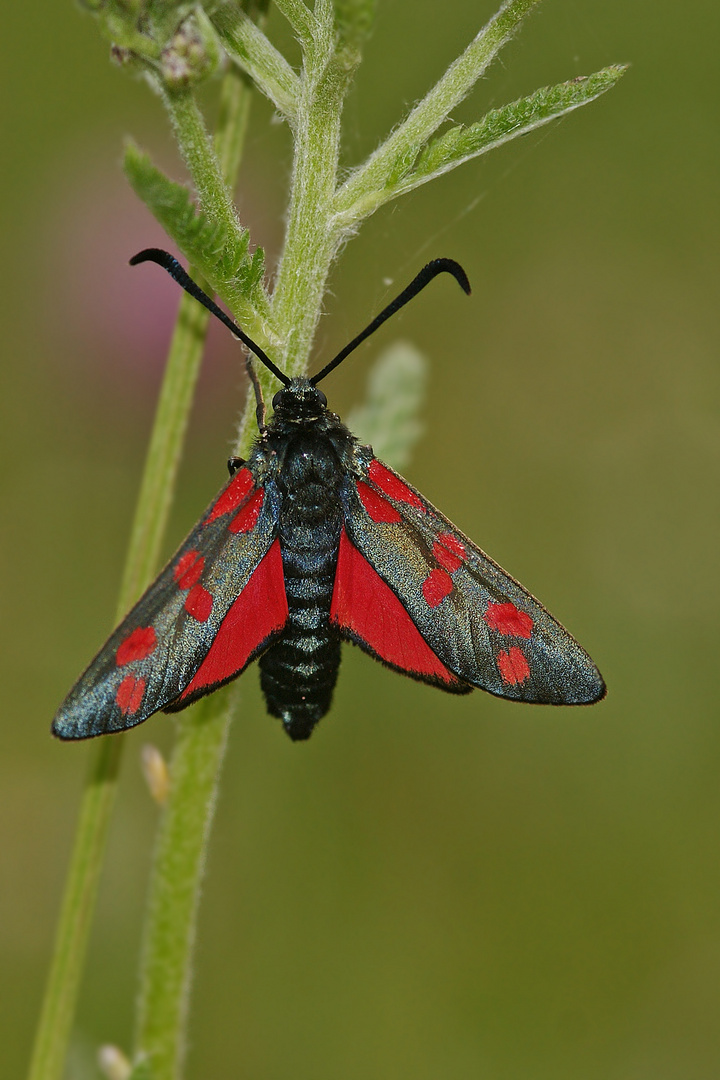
300, 402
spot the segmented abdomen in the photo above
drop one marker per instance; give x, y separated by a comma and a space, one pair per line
299, 672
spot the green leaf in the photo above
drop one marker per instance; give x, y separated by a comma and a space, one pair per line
388, 419
401, 167
248, 46
199, 238
501, 125
220, 256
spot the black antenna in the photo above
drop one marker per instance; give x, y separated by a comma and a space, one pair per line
426, 275
173, 267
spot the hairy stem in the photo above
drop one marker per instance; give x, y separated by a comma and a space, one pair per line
158, 484
310, 241
178, 868
179, 861
58, 1010
91, 834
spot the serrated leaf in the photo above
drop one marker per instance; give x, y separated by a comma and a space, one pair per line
401, 166
256, 270
171, 204
517, 118
223, 259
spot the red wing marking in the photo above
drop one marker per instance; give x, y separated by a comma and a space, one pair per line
246, 519
240, 486
506, 619
447, 559
392, 485
513, 666
452, 544
136, 646
436, 586
363, 604
189, 569
198, 603
260, 609
129, 694
378, 509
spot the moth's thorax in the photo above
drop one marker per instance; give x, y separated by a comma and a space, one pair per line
306, 445
299, 403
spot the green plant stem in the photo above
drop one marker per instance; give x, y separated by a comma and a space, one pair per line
211, 184
61, 990
235, 98
265, 65
311, 241
197, 149
179, 860
300, 18
165, 450
180, 853
91, 835
178, 868
185, 355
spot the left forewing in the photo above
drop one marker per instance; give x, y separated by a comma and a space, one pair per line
163, 643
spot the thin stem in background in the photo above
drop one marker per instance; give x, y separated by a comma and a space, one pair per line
153, 507
179, 860
177, 872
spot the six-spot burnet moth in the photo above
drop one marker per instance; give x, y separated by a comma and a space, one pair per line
313, 542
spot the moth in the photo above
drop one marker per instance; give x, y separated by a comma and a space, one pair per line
312, 543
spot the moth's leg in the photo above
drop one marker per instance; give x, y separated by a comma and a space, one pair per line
235, 463
260, 407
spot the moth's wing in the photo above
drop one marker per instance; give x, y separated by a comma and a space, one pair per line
481, 625
216, 605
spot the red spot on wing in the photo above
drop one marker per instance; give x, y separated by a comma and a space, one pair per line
512, 666
392, 485
436, 586
449, 554
378, 509
189, 569
129, 695
239, 487
198, 603
136, 646
506, 619
363, 604
260, 609
246, 519
452, 544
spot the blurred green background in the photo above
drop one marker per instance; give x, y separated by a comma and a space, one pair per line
432, 887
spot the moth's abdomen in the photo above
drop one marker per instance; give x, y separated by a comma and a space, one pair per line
299, 672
